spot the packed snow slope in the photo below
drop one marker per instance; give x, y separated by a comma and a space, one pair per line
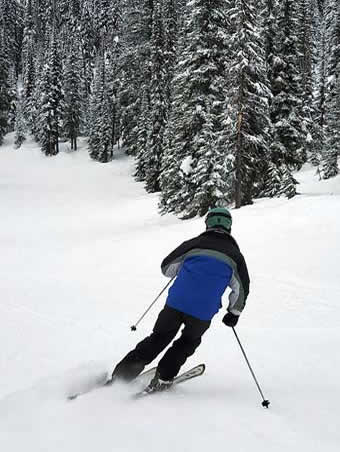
81, 245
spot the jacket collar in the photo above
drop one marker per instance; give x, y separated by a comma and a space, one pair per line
221, 232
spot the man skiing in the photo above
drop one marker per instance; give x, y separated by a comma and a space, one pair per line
204, 267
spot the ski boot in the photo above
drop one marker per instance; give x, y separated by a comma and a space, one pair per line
157, 384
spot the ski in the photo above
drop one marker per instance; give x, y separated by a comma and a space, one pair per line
185, 376
104, 380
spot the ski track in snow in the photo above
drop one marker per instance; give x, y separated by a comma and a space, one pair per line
81, 244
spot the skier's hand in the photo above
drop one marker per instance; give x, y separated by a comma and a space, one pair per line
230, 319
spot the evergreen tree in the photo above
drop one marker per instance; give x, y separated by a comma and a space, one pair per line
172, 26
272, 173
100, 138
114, 55
20, 124
317, 84
288, 184
95, 109
11, 25
320, 80
249, 102
143, 127
269, 33
152, 160
113, 85
50, 104
106, 149
135, 68
287, 149
286, 102
5, 97
130, 101
107, 17
28, 64
12, 81
197, 113
306, 52
72, 98
46, 22
87, 36
272, 181
332, 92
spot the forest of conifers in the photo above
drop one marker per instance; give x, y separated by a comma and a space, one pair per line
220, 101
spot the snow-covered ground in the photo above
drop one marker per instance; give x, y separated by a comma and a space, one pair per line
81, 244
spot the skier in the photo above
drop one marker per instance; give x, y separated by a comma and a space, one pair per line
204, 267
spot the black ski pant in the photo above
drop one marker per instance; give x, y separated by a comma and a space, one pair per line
166, 327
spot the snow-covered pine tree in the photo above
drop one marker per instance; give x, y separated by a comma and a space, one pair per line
49, 114
172, 23
272, 178
173, 27
306, 51
249, 95
87, 40
172, 176
286, 87
115, 57
68, 14
97, 90
5, 97
288, 182
269, 31
20, 124
317, 83
197, 113
272, 181
135, 68
108, 14
113, 85
32, 108
106, 147
331, 149
143, 128
320, 61
287, 148
11, 25
100, 136
72, 103
45, 12
28, 65
158, 104
45, 129
12, 80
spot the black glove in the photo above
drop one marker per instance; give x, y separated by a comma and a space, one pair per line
230, 319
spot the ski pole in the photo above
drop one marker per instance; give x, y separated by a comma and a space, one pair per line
265, 403
134, 327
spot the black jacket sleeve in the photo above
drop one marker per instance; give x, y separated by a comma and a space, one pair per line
171, 264
244, 276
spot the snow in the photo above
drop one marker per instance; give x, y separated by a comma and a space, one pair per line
81, 244
186, 165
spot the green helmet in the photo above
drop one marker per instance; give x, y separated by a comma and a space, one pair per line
219, 217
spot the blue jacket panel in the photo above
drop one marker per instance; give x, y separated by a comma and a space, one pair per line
199, 286
207, 281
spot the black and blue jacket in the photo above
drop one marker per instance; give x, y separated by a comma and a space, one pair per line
205, 266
